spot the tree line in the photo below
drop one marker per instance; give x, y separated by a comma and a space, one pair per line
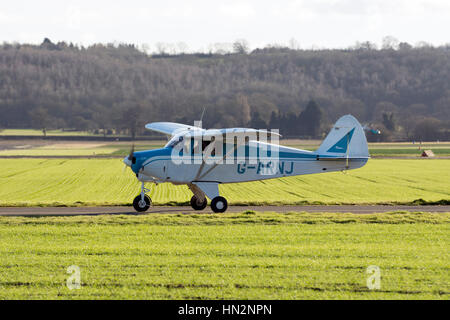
403, 91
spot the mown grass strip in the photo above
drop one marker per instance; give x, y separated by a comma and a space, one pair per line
92, 182
248, 255
246, 217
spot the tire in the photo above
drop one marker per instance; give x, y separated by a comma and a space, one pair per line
219, 204
139, 207
196, 206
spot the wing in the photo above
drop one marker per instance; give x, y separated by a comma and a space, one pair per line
169, 128
229, 134
172, 129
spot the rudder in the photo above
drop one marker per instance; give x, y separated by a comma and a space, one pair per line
346, 139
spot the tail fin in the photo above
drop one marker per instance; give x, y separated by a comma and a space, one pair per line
346, 139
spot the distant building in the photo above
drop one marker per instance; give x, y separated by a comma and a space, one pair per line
427, 153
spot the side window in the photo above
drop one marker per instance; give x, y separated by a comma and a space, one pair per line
172, 143
205, 144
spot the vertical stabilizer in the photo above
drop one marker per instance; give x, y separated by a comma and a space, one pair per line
346, 139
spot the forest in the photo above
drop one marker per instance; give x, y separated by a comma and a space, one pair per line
403, 91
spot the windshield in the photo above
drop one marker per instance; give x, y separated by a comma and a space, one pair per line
174, 141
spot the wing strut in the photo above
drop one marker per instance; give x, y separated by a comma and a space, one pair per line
199, 175
346, 156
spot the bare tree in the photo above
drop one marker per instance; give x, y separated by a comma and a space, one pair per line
294, 44
389, 42
145, 47
40, 119
241, 46
428, 129
161, 48
221, 47
366, 45
242, 100
182, 47
423, 44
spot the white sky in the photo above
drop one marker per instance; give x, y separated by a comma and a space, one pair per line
200, 23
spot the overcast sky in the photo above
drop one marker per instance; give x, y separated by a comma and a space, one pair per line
200, 23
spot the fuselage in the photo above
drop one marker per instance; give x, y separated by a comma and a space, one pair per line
246, 163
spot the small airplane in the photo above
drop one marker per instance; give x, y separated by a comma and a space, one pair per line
202, 159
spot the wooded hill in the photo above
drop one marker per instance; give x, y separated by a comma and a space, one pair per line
403, 92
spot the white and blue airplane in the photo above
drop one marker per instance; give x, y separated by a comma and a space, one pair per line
202, 159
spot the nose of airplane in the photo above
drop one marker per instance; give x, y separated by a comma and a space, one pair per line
127, 161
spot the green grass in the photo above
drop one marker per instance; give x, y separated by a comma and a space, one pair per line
121, 149
400, 152
247, 255
125, 149
34, 132
73, 182
112, 150
45, 151
438, 151
395, 149
86, 149
57, 132
408, 149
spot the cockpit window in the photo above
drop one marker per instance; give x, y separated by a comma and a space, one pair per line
174, 141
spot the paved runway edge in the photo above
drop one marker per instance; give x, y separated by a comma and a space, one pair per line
74, 211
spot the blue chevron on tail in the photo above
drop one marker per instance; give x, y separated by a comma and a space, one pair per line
342, 145
346, 138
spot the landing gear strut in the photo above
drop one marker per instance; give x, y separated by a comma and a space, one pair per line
142, 202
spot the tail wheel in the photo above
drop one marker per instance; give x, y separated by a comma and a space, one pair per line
142, 205
219, 204
197, 204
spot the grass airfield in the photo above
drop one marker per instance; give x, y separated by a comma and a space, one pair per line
247, 255
82, 182
52, 148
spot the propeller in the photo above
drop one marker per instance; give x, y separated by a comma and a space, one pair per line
130, 157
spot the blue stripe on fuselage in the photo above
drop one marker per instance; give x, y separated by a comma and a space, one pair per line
144, 157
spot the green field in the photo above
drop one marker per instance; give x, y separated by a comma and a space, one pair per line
118, 149
87, 149
229, 256
34, 132
247, 255
408, 149
375, 149
68, 152
398, 149
72, 182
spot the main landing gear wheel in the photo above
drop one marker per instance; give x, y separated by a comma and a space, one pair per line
197, 204
219, 204
142, 205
